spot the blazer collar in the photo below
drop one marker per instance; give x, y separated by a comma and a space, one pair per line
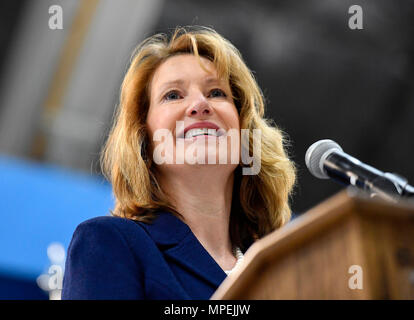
166, 230
178, 242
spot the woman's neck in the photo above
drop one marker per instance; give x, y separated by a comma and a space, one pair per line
204, 200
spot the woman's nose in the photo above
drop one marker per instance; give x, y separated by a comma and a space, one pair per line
200, 107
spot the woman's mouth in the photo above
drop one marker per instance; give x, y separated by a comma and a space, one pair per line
203, 132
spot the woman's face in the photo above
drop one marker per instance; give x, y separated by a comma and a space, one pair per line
181, 90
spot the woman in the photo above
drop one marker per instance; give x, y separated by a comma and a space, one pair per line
179, 227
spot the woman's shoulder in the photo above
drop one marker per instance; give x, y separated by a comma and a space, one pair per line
106, 259
104, 222
164, 230
104, 230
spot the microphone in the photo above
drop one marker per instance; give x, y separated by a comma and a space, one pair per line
325, 159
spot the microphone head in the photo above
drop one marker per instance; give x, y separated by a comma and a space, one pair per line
316, 155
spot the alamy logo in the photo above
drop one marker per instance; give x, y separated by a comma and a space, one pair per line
355, 22
356, 280
52, 280
232, 146
56, 18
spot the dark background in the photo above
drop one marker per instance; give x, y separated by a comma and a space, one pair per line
323, 80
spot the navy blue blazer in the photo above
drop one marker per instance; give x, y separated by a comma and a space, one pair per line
117, 258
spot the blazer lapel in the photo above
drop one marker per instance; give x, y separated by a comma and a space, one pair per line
190, 254
179, 244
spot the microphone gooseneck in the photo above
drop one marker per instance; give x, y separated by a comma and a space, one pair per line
325, 159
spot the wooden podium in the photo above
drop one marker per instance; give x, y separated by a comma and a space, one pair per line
330, 252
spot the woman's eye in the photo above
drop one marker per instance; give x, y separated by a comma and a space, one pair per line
172, 95
217, 93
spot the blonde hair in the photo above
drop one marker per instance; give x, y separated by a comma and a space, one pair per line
260, 202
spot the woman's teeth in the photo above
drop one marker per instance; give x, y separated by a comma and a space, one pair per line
201, 131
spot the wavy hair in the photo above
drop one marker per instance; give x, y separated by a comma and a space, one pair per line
260, 203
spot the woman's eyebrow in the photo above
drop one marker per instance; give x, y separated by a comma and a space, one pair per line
213, 80
171, 83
